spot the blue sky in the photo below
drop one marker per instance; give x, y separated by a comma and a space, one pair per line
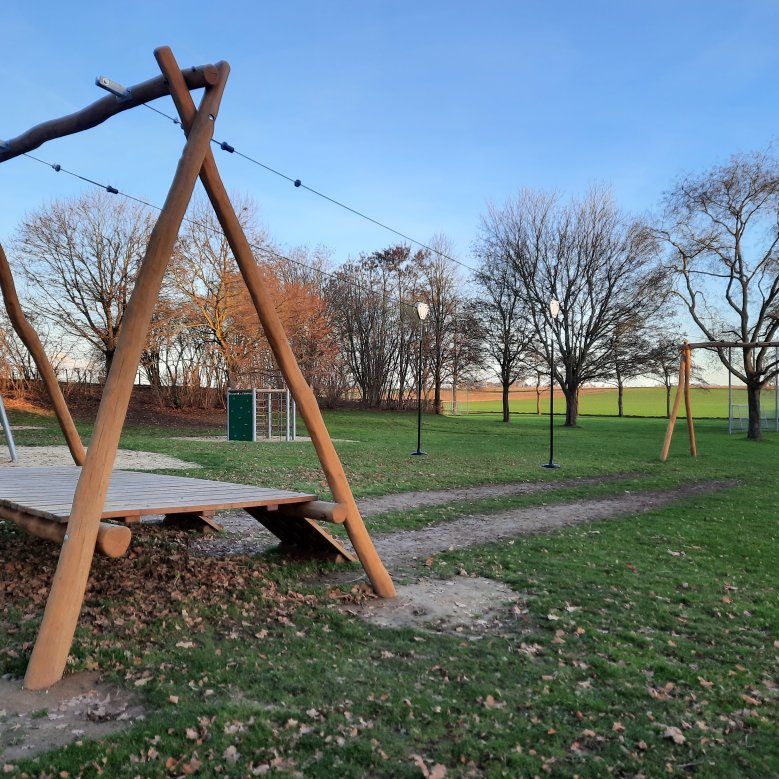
417, 113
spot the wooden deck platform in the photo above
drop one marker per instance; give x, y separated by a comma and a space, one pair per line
47, 493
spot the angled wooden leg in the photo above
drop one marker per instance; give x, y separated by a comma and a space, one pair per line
50, 653
30, 339
672, 421
274, 331
688, 400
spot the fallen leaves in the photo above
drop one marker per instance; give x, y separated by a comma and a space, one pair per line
674, 734
437, 771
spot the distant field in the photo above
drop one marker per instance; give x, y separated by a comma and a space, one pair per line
710, 402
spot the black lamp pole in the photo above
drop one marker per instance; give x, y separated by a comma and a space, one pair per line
422, 311
554, 309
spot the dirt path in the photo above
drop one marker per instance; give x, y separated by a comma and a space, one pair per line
401, 549
403, 500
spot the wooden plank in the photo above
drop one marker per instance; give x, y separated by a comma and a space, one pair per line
48, 493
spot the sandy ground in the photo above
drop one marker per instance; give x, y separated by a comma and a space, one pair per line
78, 707
29, 456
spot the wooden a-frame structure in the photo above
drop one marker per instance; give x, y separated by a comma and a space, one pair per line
685, 372
49, 655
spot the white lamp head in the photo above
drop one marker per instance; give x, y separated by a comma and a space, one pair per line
554, 308
422, 311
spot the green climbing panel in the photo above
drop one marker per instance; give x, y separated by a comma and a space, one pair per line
241, 415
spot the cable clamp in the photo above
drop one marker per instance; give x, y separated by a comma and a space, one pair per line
122, 94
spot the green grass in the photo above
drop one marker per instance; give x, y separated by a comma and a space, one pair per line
628, 627
638, 402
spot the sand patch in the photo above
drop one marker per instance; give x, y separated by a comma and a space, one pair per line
464, 604
78, 707
47, 456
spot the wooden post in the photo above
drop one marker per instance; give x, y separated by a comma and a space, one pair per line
50, 652
30, 339
672, 421
277, 339
687, 399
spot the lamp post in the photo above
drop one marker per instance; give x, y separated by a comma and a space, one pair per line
422, 311
554, 310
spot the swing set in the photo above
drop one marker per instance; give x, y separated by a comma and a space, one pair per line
68, 504
685, 369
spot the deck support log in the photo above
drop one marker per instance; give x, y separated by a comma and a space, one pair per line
112, 540
317, 509
50, 653
277, 339
30, 339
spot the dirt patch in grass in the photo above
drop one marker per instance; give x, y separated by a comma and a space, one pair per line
78, 707
463, 605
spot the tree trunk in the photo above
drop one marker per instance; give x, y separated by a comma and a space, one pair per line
571, 405
667, 401
506, 411
620, 400
753, 398
438, 407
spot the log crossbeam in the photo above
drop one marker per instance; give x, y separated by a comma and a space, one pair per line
98, 112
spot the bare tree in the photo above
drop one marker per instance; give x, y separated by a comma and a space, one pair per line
723, 230
440, 287
376, 327
593, 259
630, 349
205, 276
501, 312
80, 258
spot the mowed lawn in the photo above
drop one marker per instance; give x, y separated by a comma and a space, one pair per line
646, 645
706, 402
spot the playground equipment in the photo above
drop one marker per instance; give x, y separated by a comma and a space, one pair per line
685, 369
291, 516
261, 413
9, 436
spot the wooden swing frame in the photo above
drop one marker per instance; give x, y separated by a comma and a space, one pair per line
55, 637
685, 369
